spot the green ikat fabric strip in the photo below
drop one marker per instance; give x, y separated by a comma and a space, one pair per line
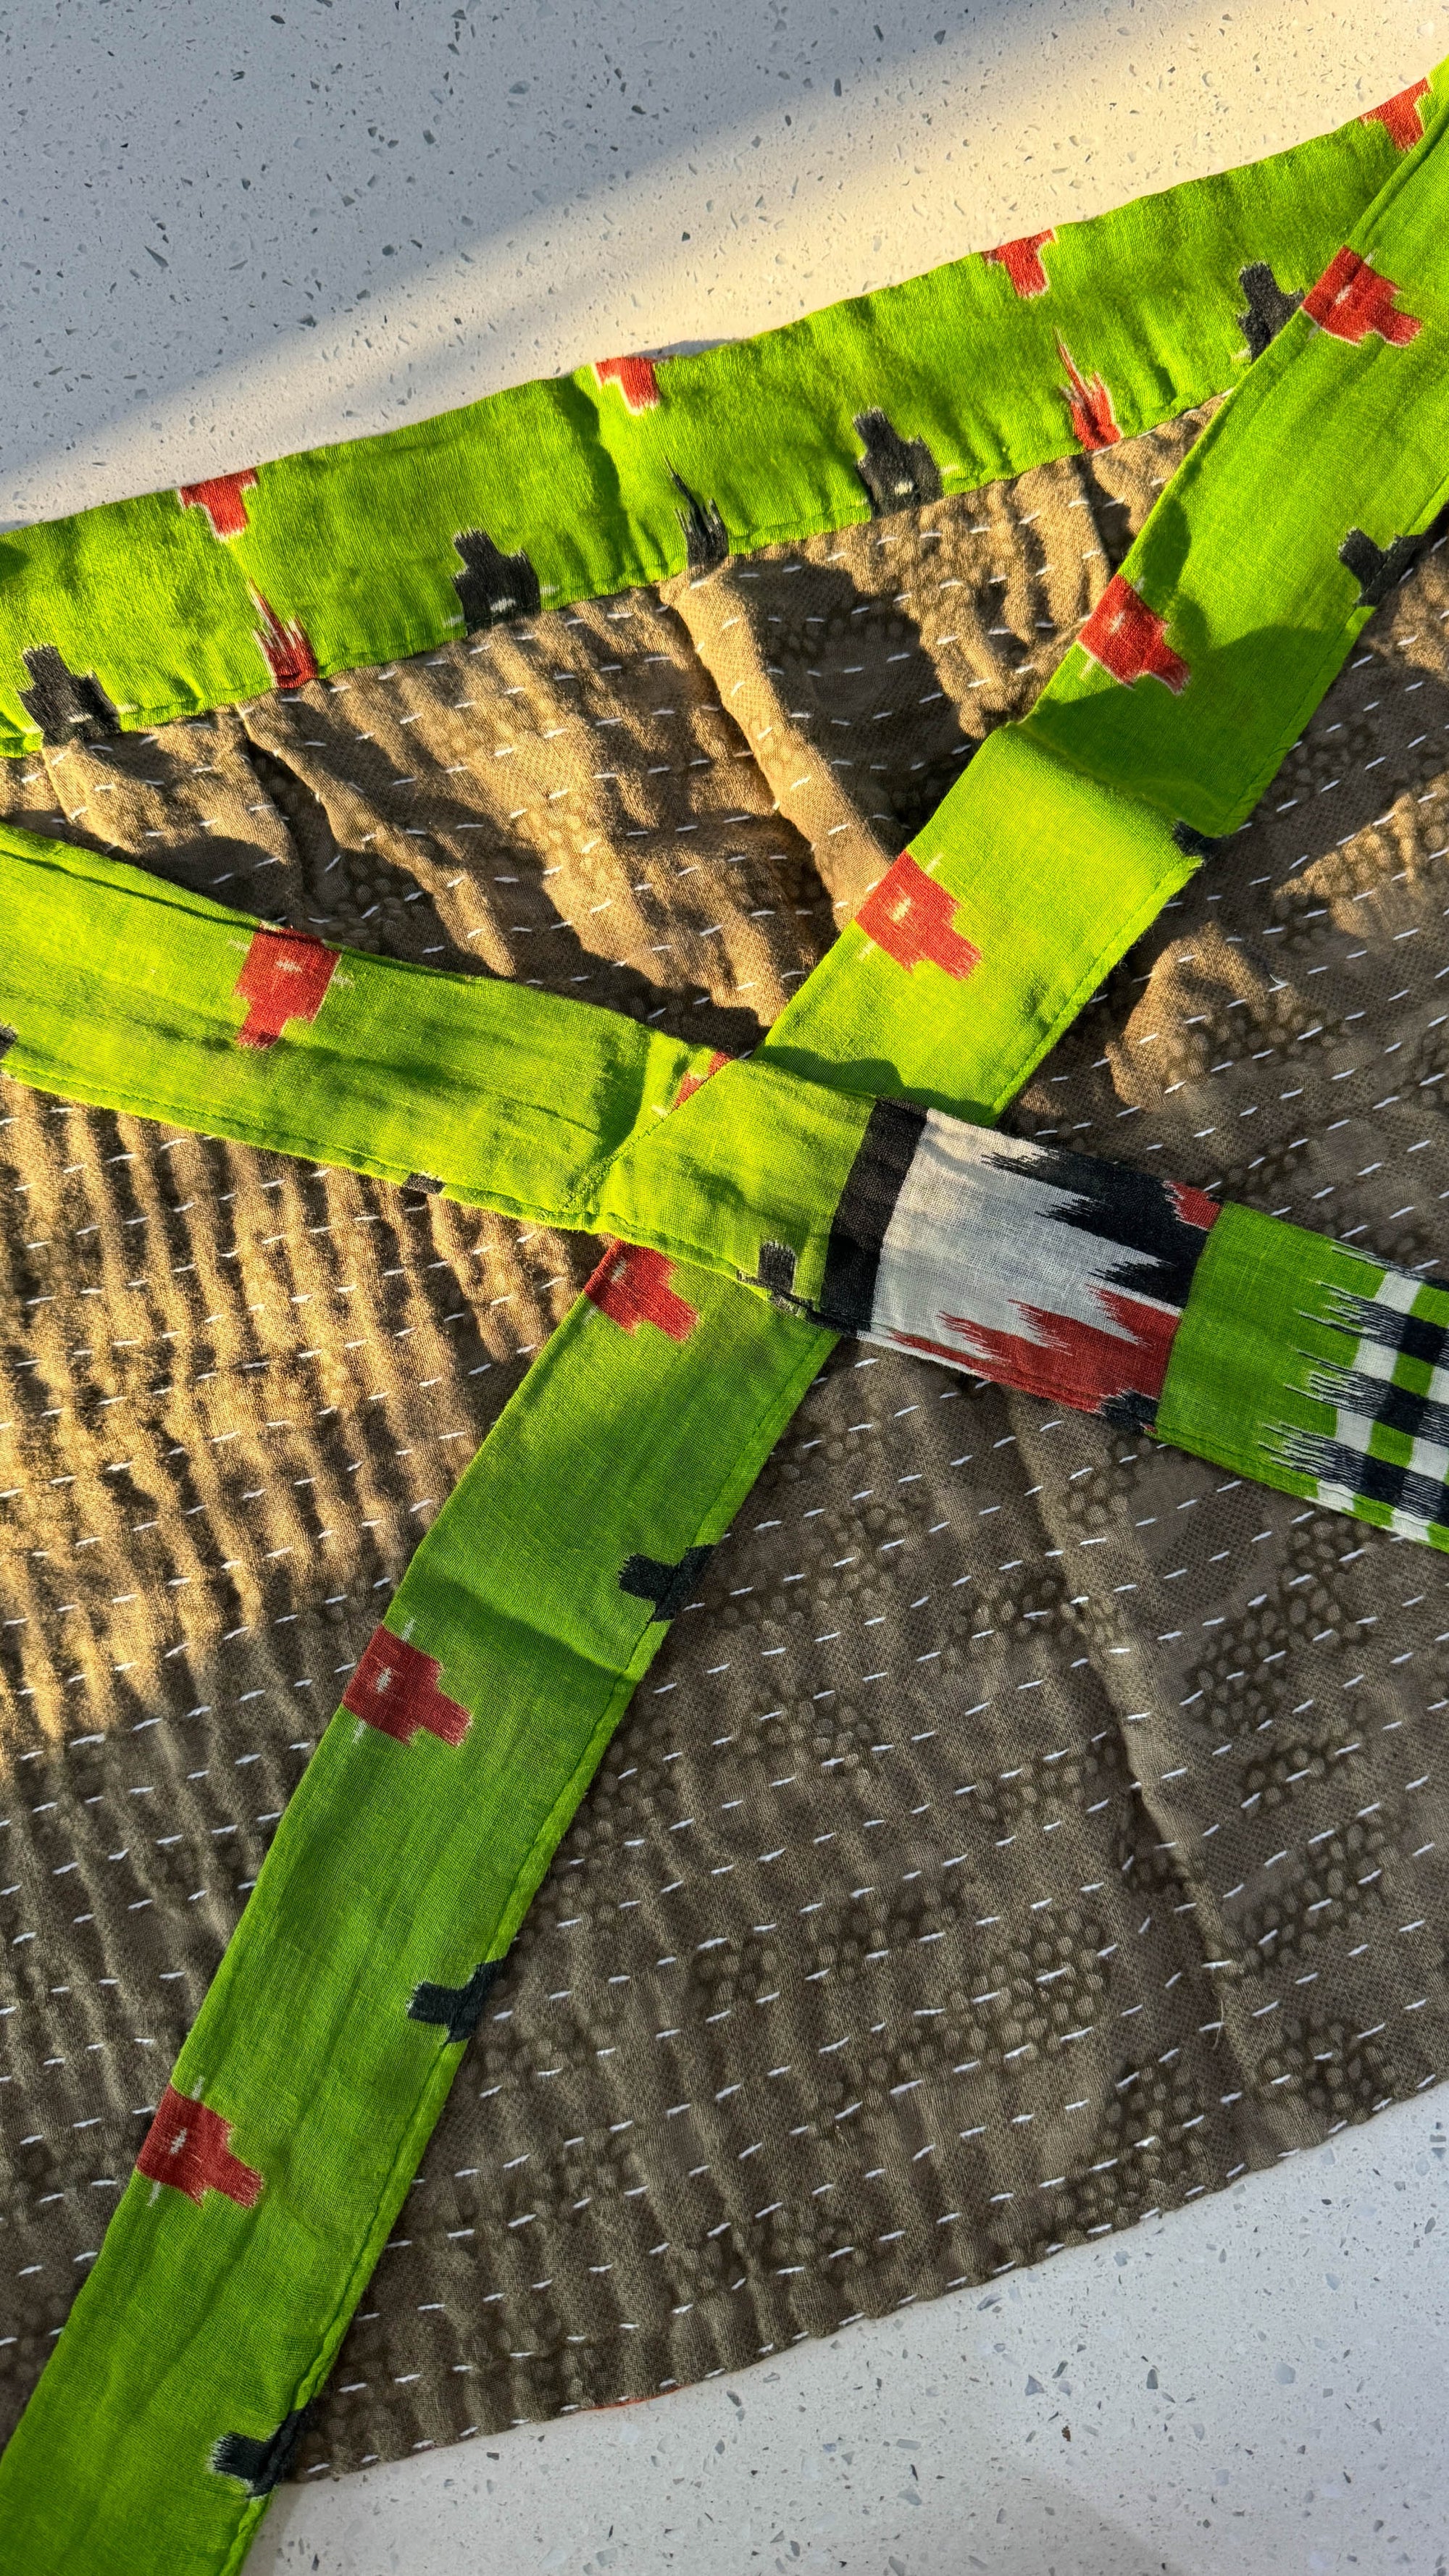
300, 2103
299, 2107
1064, 1276
1304, 1363
1065, 340
117, 989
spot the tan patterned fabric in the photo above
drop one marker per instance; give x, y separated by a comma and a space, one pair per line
1031, 1827
865, 667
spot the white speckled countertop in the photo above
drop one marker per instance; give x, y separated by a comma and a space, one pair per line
237, 230
1254, 2384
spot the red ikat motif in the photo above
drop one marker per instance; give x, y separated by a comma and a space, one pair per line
631, 1286
912, 918
396, 1689
284, 978
1351, 300
635, 378
1129, 639
221, 499
187, 2147
1022, 262
1400, 116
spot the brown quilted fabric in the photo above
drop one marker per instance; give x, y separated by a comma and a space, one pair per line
1031, 1828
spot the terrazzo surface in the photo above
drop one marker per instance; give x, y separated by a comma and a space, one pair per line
1249, 2386
235, 233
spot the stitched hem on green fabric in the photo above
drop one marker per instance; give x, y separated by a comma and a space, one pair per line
147, 610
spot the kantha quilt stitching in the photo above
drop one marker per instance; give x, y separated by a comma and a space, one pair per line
1390, 338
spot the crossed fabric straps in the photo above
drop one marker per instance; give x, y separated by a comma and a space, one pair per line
1078, 1280
843, 1179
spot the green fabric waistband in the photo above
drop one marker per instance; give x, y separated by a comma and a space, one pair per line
145, 610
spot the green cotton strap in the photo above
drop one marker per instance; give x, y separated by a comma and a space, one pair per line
1311, 1367
577, 487
742, 1170
330, 2035
133, 995
122, 991
403, 1864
